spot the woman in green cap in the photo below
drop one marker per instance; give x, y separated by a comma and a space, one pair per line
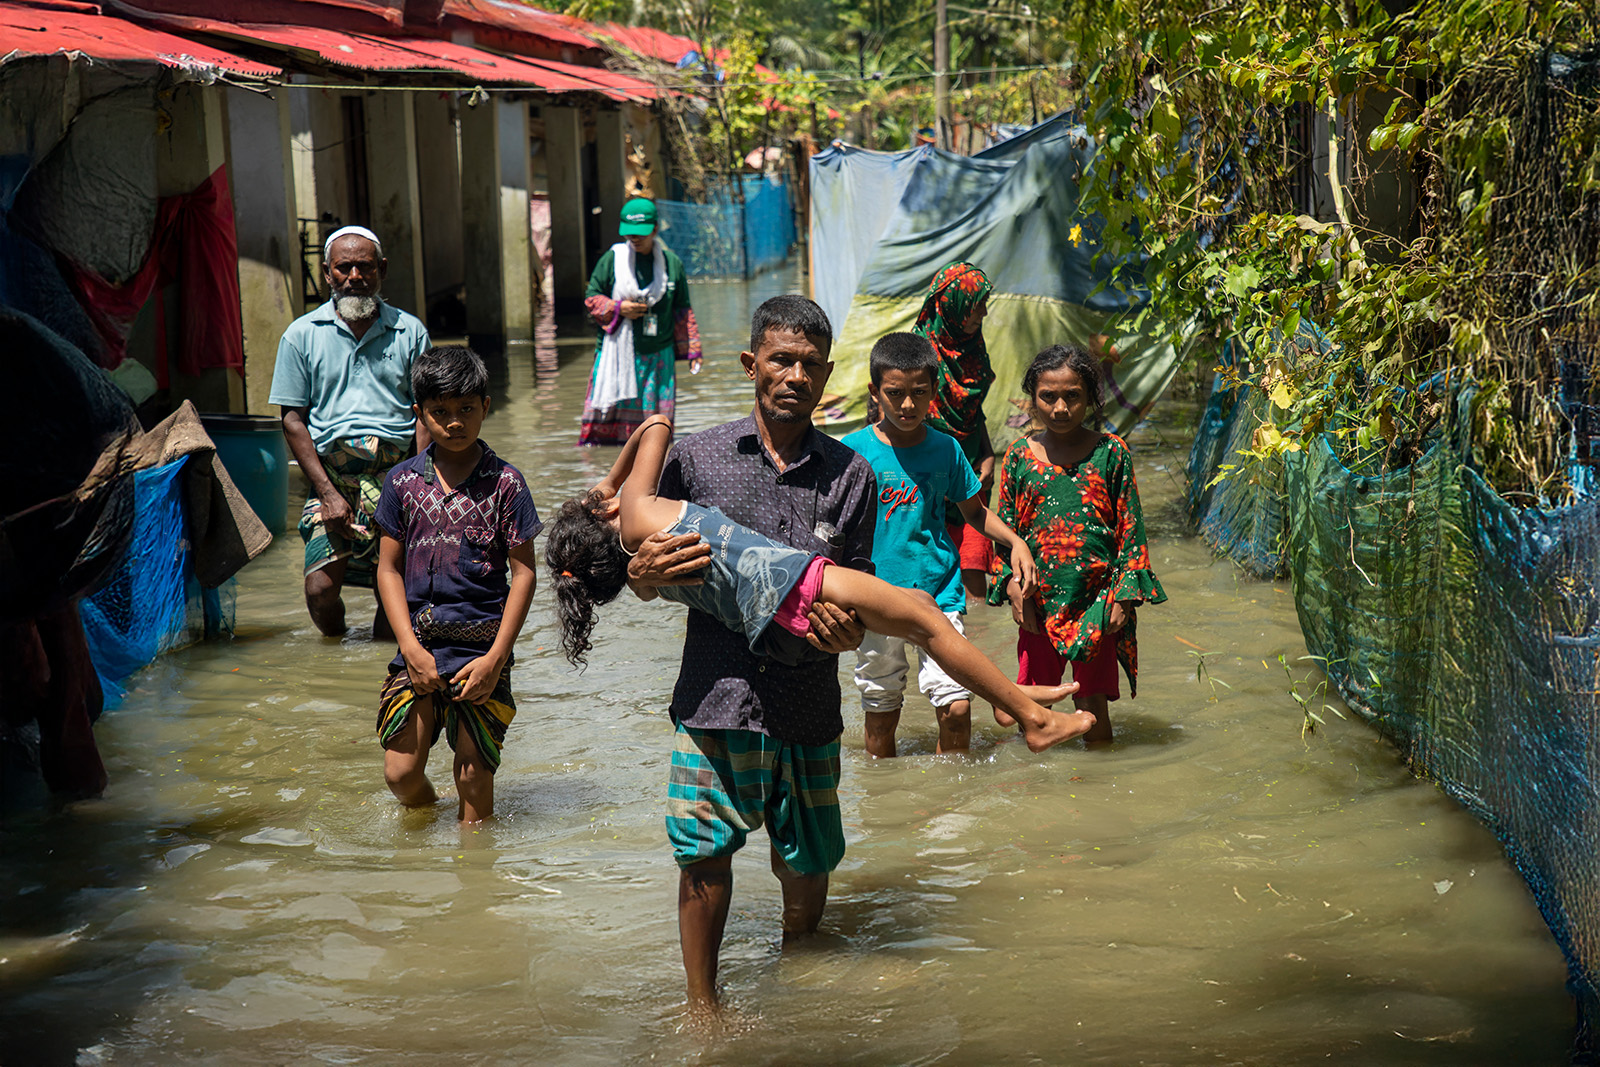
639, 297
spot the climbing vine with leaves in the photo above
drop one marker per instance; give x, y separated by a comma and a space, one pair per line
1458, 149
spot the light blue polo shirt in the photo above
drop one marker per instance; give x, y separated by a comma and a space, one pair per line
352, 389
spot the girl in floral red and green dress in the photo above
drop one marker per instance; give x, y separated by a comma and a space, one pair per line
1069, 491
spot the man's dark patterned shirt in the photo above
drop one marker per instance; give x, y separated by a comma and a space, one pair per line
825, 502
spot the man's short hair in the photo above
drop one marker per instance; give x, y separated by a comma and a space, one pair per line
790, 311
448, 372
902, 351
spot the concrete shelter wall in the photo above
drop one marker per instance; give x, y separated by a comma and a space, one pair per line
494, 176
480, 207
611, 169
391, 138
563, 143
516, 258
303, 164
439, 184
260, 166
329, 165
193, 145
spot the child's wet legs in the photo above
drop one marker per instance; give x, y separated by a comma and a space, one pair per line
405, 758
1096, 705
955, 726
474, 779
1040, 670
1097, 676
880, 728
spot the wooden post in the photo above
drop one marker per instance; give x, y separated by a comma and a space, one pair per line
804, 147
570, 266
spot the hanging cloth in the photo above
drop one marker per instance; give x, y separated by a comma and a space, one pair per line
615, 379
964, 374
194, 245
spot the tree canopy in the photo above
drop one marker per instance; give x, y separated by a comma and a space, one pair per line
1417, 182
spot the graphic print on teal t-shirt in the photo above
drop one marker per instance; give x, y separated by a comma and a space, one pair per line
910, 547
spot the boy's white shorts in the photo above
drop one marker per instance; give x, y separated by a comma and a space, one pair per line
881, 667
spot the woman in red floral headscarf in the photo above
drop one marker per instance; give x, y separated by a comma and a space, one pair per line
952, 320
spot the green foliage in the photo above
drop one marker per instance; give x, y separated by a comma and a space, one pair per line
870, 63
1203, 675
1203, 118
1310, 694
1455, 237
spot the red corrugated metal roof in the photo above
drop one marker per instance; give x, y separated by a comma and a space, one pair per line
656, 44
345, 14
357, 51
30, 31
616, 85
519, 17
661, 45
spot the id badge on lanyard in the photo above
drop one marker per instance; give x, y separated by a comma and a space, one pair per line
648, 322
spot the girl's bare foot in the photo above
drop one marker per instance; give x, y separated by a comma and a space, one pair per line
1039, 694
1048, 694
1059, 726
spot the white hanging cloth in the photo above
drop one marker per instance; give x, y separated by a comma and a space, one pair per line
615, 379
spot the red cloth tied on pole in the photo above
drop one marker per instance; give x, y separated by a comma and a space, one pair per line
194, 245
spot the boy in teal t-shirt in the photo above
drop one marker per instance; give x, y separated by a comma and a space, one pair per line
918, 469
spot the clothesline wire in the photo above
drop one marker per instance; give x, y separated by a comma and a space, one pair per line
845, 79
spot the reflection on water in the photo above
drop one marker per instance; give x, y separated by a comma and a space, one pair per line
1208, 889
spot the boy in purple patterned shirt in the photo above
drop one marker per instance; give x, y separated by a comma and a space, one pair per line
456, 521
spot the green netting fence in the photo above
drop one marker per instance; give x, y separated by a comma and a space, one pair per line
1465, 629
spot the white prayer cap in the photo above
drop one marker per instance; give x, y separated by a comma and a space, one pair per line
350, 231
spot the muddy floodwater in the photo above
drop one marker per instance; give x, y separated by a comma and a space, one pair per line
1211, 888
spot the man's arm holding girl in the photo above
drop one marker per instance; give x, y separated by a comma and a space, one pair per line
834, 630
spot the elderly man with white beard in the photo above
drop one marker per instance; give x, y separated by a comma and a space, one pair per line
343, 384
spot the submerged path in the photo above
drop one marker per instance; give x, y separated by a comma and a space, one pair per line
1211, 888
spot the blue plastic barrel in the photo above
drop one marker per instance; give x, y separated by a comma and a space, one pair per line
257, 457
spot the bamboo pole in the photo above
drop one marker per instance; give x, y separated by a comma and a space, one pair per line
942, 125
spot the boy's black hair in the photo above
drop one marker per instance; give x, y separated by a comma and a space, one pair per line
1076, 358
790, 311
902, 351
589, 568
448, 372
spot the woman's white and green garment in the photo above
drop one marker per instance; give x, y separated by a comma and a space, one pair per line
665, 333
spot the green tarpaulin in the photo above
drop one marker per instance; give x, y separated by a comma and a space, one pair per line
884, 223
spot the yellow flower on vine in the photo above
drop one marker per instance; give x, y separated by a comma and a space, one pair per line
1075, 235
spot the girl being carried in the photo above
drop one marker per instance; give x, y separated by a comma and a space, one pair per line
760, 587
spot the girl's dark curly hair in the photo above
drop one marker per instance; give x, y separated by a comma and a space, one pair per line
1075, 358
589, 568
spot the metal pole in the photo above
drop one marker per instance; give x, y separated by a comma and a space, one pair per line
942, 124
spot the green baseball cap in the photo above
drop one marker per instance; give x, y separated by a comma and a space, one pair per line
638, 217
